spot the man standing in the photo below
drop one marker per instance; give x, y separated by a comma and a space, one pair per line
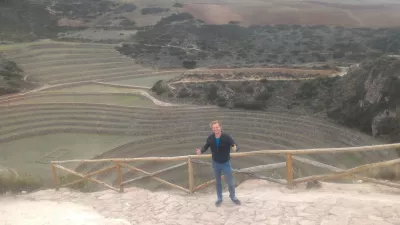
220, 144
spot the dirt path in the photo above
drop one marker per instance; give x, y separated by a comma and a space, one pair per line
262, 203
342, 72
237, 80
261, 69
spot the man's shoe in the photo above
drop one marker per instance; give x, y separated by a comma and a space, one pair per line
218, 203
236, 201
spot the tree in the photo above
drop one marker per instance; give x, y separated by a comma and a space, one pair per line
178, 5
189, 64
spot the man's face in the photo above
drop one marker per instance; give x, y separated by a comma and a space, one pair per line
216, 128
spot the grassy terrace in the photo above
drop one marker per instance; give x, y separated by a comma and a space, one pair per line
100, 98
137, 132
90, 88
145, 81
61, 62
30, 155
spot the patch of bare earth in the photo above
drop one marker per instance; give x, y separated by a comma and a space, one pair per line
212, 13
70, 23
297, 12
266, 70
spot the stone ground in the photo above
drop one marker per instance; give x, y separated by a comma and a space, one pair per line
262, 203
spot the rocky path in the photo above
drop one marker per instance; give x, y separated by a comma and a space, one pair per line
262, 203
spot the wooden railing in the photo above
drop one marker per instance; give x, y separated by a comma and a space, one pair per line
189, 160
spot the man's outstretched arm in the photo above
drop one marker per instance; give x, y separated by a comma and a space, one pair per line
233, 143
204, 148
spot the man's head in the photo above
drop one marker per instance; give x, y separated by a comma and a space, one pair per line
216, 127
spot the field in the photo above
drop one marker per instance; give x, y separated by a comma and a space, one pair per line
55, 63
99, 34
146, 81
318, 12
80, 112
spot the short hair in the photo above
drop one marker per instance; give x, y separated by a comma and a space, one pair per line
215, 122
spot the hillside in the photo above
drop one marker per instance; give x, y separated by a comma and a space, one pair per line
180, 40
262, 203
366, 98
25, 20
11, 78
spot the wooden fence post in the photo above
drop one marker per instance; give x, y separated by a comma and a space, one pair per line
120, 178
191, 175
56, 179
289, 170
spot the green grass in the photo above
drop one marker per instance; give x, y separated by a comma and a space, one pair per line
11, 47
49, 57
145, 81
22, 154
27, 44
97, 88
96, 99
82, 67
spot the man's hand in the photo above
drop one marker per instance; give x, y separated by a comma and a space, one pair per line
198, 151
234, 148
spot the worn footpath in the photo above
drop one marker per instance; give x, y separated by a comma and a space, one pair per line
262, 203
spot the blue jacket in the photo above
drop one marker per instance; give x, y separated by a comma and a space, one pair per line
222, 153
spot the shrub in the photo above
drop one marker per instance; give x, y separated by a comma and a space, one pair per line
158, 88
127, 23
153, 10
189, 64
249, 89
178, 5
221, 101
15, 184
212, 93
183, 93
175, 17
127, 7
262, 96
233, 22
310, 89
253, 105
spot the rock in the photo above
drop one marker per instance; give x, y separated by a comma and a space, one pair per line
313, 184
384, 123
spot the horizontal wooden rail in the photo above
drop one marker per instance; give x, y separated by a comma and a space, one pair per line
263, 167
335, 169
347, 172
241, 154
